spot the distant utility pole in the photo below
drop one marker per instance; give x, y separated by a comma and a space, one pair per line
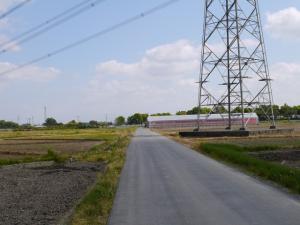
45, 113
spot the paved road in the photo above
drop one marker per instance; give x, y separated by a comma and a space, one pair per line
164, 183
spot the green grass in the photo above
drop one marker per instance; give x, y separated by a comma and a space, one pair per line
236, 155
97, 204
50, 156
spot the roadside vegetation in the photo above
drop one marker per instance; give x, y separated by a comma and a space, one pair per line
237, 155
50, 156
97, 204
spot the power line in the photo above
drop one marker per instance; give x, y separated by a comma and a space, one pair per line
93, 36
13, 9
49, 24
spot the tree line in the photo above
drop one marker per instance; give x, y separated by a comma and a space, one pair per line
284, 112
52, 123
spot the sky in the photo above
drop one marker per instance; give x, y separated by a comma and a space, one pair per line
148, 66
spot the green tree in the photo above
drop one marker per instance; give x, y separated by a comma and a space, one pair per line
93, 124
137, 118
50, 122
195, 110
120, 120
297, 109
162, 114
71, 124
8, 125
180, 113
286, 111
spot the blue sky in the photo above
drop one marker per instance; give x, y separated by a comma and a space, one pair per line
119, 73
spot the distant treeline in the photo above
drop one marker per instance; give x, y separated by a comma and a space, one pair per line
8, 125
284, 112
52, 123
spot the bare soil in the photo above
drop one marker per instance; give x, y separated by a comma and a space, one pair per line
286, 157
43, 193
19, 148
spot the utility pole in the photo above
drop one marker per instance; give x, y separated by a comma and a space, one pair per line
45, 113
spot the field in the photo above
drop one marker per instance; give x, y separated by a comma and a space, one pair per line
70, 176
275, 158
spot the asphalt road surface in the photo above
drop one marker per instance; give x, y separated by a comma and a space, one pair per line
165, 183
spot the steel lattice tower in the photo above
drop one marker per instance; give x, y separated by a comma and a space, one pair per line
234, 76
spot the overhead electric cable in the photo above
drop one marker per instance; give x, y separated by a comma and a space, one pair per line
93, 36
14, 8
49, 24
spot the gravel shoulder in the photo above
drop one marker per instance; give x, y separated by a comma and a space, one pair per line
43, 193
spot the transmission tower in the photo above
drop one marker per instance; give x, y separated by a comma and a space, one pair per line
234, 76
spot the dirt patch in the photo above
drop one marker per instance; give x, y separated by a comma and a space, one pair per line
286, 157
19, 148
42, 193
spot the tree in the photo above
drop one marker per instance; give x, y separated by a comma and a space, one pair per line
8, 125
162, 114
71, 124
195, 111
180, 113
297, 109
137, 118
50, 122
120, 120
93, 124
286, 111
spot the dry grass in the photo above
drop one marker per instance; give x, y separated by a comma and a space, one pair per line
28, 146
19, 148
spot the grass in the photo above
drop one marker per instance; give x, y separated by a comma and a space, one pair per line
50, 156
236, 155
97, 204
61, 134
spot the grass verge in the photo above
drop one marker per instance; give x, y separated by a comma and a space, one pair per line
50, 156
97, 204
236, 155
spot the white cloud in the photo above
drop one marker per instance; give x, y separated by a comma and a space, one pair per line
162, 80
286, 83
30, 73
284, 23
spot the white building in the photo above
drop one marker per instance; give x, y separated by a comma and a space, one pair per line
191, 121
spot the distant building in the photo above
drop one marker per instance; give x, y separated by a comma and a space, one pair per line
191, 121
